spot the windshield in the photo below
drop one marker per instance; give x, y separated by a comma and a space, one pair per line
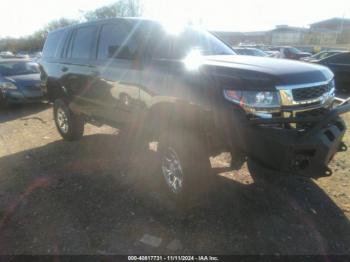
10, 68
253, 52
323, 55
178, 46
294, 50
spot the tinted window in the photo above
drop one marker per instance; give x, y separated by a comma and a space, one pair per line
117, 41
322, 55
340, 59
252, 52
179, 46
83, 40
293, 50
52, 44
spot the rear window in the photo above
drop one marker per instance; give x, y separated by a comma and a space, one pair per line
82, 42
12, 68
53, 44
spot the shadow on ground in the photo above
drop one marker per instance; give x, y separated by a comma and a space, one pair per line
86, 197
20, 111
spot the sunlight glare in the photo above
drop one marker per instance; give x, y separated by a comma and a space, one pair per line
173, 27
193, 60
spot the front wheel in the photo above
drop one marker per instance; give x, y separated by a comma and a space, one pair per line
185, 168
69, 125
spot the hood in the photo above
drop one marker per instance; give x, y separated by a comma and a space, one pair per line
265, 72
303, 54
31, 80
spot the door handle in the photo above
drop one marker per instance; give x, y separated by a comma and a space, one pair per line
64, 69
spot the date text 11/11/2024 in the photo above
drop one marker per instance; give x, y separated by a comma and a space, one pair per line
173, 258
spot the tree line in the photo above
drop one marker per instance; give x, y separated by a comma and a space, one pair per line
35, 41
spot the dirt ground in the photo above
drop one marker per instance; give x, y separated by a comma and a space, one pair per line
86, 197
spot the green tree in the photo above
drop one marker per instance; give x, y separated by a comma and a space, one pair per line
56, 24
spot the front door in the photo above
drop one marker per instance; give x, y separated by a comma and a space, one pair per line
117, 78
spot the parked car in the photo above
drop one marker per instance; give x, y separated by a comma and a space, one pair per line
271, 53
340, 66
35, 55
290, 52
321, 55
19, 82
6, 54
249, 51
306, 49
264, 48
192, 94
22, 54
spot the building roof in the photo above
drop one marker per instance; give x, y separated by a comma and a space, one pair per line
227, 33
284, 28
331, 21
256, 33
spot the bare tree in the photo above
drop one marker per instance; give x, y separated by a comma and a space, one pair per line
121, 8
35, 42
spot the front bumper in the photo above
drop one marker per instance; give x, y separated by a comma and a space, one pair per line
19, 97
290, 151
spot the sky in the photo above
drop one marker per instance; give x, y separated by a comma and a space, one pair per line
23, 17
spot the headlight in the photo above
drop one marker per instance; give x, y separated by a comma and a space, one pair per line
332, 85
8, 86
254, 101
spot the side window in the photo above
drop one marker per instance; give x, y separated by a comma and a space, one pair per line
167, 48
340, 59
344, 59
83, 40
53, 44
117, 41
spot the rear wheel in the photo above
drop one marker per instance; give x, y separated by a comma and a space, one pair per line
69, 125
4, 103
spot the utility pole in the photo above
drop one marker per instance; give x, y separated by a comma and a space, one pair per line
341, 28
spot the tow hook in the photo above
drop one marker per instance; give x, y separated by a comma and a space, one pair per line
342, 147
301, 162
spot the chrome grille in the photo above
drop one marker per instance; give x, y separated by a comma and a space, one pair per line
301, 94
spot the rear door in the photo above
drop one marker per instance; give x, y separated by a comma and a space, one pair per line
50, 61
116, 86
77, 70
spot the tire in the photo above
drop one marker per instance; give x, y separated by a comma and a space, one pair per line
238, 158
260, 173
73, 128
4, 103
195, 168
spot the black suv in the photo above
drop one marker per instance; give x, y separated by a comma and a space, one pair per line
190, 92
